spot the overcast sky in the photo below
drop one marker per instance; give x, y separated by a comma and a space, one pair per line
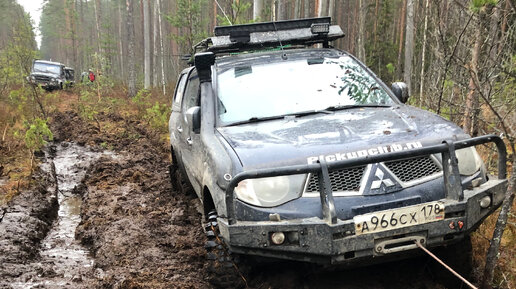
33, 7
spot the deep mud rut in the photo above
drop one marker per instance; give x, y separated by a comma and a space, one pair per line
112, 220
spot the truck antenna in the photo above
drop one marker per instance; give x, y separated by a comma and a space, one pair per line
223, 12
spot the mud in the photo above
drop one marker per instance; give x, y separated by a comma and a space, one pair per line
23, 224
135, 231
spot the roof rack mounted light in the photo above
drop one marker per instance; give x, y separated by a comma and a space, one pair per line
270, 26
258, 36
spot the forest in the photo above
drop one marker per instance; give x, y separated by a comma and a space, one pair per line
457, 57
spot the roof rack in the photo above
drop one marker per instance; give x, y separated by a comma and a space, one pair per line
247, 37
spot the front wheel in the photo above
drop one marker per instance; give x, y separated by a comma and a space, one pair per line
220, 264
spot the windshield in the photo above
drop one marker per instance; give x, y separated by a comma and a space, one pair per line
297, 85
46, 68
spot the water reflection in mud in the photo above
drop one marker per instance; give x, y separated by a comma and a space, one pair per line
64, 262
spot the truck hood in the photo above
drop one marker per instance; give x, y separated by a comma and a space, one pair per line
353, 132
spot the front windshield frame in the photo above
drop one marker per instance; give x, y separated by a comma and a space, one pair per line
57, 71
296, 55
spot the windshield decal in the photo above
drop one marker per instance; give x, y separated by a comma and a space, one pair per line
367, 152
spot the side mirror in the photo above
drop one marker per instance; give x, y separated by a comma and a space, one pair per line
400, 89
193, 118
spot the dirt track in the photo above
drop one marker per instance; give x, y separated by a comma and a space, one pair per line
142, 234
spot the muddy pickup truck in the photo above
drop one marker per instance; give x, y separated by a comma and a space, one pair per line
298, 151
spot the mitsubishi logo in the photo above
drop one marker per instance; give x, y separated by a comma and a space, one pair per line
381, 179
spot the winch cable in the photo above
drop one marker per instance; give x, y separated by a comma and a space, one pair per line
445, 266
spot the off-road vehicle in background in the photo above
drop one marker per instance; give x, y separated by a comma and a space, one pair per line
49, 75
298, 151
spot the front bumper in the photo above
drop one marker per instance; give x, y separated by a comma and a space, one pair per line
315, 240
333, 240
44, 83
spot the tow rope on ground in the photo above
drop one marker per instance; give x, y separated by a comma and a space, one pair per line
446, 266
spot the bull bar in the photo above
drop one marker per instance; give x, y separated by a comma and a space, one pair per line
452, 180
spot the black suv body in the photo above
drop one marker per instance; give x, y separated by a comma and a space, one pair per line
50, 75
306, 155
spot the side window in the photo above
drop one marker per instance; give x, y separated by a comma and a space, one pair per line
180, 89
191, 94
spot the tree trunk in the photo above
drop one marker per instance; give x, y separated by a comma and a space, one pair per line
503, 27
422, 75
409, 46
130, 48
146, 45
155, 80
494, 40
158, 4
282, 9
297, 9
402, 30
120, 40
257, 9
472, 97
501, 222
361, 30
322, 10
96, 4
331, 8
375, 24
307, 8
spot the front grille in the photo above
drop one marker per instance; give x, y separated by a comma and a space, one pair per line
413, 169
349, 179
341, 180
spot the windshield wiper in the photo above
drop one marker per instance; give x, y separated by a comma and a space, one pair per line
256, 119
351, 106
328, 110
308, 112
295, 114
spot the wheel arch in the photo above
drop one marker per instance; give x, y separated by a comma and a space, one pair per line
207, 201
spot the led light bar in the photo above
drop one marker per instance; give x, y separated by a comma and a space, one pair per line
270, 26
320, 28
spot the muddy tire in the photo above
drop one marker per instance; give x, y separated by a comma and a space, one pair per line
181, 183
459, 257
220, 264
172, 175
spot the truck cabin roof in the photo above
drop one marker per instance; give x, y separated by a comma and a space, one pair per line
48, 62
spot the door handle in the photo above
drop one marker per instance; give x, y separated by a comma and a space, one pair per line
179, 129
189, 140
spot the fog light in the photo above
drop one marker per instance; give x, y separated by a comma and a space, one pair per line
485, 202
278, 238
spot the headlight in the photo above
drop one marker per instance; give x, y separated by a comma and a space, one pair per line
469, 161
270, 192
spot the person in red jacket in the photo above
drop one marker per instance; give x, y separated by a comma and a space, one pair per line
91, 76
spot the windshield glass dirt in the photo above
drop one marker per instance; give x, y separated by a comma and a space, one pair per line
290, 86
47, 68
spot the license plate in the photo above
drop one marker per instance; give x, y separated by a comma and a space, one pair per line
399, 218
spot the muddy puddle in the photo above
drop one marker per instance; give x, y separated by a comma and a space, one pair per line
63, 261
